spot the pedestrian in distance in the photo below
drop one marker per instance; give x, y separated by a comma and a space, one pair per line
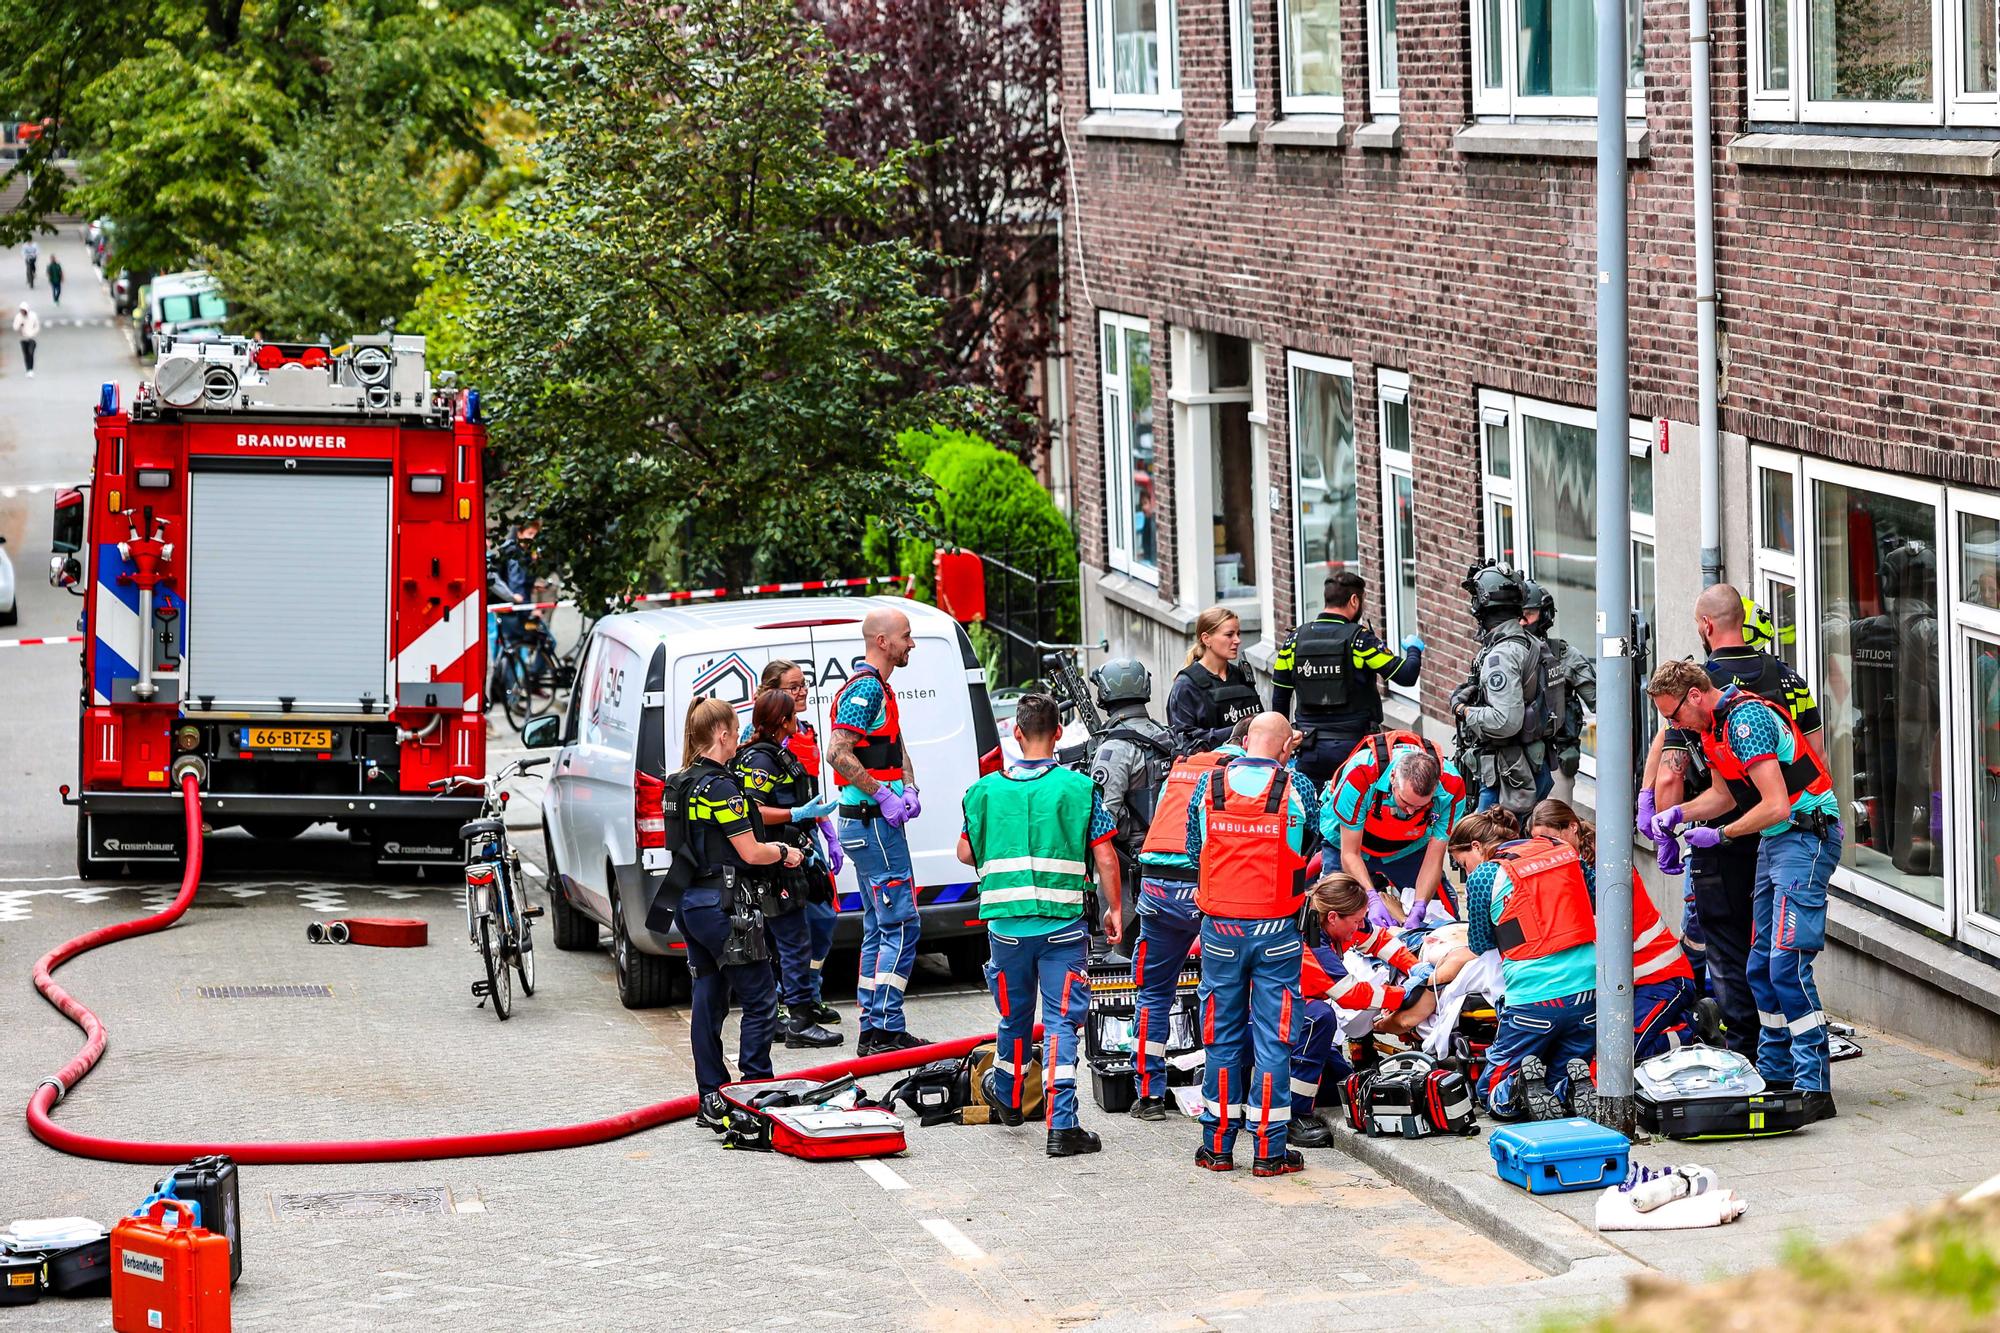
31, 254
823, 904
878, 796
1032, 833
28, 328
718, 916
1213, 692
55, 279
1332, 663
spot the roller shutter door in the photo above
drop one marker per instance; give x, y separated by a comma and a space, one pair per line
288, 590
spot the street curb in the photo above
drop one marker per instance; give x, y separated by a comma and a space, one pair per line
1506, 1215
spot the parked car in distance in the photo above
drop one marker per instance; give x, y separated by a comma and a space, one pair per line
10, 610
178, 305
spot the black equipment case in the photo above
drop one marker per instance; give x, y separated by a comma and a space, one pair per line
211, 1183
1752, 1115
1108, 1036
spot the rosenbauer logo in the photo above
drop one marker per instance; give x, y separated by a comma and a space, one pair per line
247, 440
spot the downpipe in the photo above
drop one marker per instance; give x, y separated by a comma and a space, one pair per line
189, 772
1708, 371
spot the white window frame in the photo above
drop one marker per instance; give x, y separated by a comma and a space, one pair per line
1496, 490
1242, 57
1967, 622
1097, 16
1495, 408
1115, 402
1331, 105
1306, 606
1194, 396
1393, 386
1948, 105
1506, 102
1384, 98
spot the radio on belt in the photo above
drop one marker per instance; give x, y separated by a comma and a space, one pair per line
168, 1277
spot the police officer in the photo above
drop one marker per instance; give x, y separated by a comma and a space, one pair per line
1572, 693
1213, 692
717, 915
1252, 826
1722, 880
1331, 663
1502, 710
1771, 789
1030, 832
1133, 759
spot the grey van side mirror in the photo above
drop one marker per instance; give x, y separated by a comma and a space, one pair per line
542, 733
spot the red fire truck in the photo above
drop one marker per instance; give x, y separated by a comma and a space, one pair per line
282, 556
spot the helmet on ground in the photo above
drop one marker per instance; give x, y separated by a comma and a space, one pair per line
1122, 680
1495, 589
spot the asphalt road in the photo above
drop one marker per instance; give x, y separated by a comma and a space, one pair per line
231, 1027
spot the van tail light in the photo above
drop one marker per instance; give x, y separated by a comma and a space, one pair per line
649, 821
991, 762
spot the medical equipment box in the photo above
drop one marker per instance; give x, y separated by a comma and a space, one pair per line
168, 1277
1558, 1156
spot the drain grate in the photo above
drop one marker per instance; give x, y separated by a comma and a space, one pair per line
295, 991
423, 1201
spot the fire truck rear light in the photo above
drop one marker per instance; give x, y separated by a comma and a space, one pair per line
649, 821
426, 484
465, 509
154, 479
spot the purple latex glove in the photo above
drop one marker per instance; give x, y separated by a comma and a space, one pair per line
913, 803
1648, 812
894, 807
835, 858
1668, 854
1378, 911
1937, 816
1704, 837
1667, 823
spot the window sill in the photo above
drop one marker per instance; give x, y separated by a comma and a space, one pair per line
1140, 596
1307, 132
1379, 136
1157, 126
1569, 139
1913, 953
1239, 130
1829, 152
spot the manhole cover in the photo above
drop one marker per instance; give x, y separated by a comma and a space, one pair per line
423, 1201
298, 991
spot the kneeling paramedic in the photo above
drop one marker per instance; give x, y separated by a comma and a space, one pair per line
1530, 898
1031, 833
1169, 922
1388, 811
1785, 798
1252, 826
708, 816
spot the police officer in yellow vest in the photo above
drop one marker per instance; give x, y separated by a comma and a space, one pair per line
1032, 833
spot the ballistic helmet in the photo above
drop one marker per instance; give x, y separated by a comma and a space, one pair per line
1534, 597
1495, 589
1122, 680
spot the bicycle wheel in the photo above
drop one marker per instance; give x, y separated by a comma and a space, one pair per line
538, 670
499, 977
524, 957
514, 698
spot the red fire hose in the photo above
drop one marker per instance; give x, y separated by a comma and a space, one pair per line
53, 1089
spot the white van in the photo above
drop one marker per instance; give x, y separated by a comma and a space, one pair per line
621, 736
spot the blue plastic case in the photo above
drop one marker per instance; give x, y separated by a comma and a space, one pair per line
1559, 1156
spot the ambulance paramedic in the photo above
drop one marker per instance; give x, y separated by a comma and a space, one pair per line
1530, 899
1331, 663
878, 796
1389, 811
1031, 833
1169, 922
1783, 796
1252, 826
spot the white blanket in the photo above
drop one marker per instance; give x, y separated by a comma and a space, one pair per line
1616, 1213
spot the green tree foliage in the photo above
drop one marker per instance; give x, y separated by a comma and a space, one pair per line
691, 369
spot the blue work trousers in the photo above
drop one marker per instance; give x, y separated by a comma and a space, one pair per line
889, 922
1557, 1031
1250, 1011
820, 921
1316, 1056
791, 955
1169, 924
1789, 930
1056, 967
1660, 1008
704, 924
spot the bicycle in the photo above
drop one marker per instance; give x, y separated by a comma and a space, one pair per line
497, 921
528, 673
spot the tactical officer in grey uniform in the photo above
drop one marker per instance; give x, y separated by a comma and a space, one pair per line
1502, 711
1133, 758
1572, 694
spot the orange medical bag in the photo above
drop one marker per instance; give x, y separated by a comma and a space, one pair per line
169, 1279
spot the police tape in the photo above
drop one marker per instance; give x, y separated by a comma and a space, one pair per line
33, 487
41, 643
908, 581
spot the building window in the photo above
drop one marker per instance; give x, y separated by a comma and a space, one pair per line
1327, 524
1382, 95
1893, 62
1134, 61
1777, 582
1540, 480
1539, 57
1218, 542
1242, 59
1399, 511
1309, 54
1131, 505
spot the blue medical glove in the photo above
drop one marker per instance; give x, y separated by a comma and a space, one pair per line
819, 809
835, 858
1648, 812
1413, 643
1667, 823
1422, 972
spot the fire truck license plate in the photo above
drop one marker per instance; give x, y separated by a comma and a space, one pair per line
288, 738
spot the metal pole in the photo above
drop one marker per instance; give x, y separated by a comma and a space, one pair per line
1614, 594
1704, 294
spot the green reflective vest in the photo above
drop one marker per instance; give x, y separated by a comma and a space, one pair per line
1030, 841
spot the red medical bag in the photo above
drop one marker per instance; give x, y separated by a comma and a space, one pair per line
802, 1119
168, 1279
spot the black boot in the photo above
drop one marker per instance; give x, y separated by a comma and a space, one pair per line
1310, 1132
713, 1114
1819, 1106
874, 1041
819, 1012
1073, 1142
1211, 1160
989, 1088
801, 1033
1149, 1108
1291, 1161
903, 1041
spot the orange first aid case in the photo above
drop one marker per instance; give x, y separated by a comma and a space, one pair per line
169, 1278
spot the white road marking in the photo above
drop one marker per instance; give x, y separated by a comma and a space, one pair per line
882, 1175
952, 1238
39, 879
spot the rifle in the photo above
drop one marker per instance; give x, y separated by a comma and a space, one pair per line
1066, 686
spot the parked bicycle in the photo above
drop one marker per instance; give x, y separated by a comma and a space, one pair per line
528, 672
498, 920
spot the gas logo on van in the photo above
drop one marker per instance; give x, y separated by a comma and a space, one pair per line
730, 680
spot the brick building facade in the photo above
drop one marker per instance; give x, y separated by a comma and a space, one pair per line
1332, 302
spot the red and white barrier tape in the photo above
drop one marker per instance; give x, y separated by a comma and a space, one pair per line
41, 643
906, 581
